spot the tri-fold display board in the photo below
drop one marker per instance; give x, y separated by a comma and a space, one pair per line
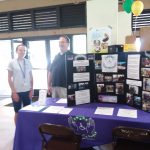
112, 78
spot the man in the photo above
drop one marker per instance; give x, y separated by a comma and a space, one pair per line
57, 71
20, 80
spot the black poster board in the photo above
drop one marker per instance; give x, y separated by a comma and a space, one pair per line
133, 80
145, 77
110, 75
80, 79
138, 90
112, 78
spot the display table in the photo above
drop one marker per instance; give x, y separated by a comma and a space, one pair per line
95, 129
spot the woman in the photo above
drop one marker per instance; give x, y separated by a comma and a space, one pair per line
20, 80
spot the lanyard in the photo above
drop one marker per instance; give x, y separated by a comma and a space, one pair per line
23, 70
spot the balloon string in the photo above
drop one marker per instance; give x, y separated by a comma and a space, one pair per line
135, 25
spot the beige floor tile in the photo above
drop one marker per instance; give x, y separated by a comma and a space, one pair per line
7, 128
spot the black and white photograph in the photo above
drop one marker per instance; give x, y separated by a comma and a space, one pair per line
81, 69
146, 101
83, 85
97, 64
129, 98
146, 96
137, 101
99, 78
133, 89
108, 78
145, 72
71, 97
145, 62
110, 88
100, 88
146, 105
115, 78
119, 88
146, 84
107, 98
121, 78
72, 86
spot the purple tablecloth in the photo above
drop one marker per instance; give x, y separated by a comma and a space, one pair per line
95, 129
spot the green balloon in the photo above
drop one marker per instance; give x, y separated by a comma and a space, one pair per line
127, 5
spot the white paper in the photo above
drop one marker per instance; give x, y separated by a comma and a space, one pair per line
133, 67
82, 96
42, 97
65, 111
33, 107
79, 77
104, 111
62, 101
110, 63
77, 63
134, 82
107, 98
53, 109
127, 113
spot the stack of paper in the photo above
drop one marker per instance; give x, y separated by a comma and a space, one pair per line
58, 110
104, 111
33, 108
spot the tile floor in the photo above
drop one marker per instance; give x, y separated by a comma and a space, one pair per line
7, 127
5, 101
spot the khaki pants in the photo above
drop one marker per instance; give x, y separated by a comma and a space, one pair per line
59, 92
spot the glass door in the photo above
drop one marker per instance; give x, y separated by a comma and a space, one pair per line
37, 56
54, 49
79, 44
5, 57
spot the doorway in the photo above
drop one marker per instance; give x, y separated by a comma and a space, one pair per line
41, 52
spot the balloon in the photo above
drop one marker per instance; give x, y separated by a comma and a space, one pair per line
127, 5
137, 7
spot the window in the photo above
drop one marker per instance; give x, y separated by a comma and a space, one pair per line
79, 44
5, 58
61, 16
37, 54
40, 52
141, 20
54, 49
138, 44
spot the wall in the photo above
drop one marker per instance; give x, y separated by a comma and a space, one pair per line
43, 33
8, 5
102, 14
124, 23
145, 2
11, 5
124, 26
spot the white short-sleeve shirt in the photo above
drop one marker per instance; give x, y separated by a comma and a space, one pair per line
21, 74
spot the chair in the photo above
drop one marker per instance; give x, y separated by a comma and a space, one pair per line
128, 138
58, 137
